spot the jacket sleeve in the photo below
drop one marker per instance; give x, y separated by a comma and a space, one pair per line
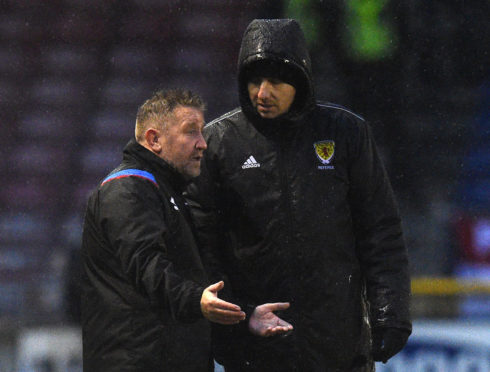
132, 220
379, 240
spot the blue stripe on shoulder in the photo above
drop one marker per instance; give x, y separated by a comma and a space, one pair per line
131, 173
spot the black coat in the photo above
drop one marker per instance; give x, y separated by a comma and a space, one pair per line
142, 274
300, 209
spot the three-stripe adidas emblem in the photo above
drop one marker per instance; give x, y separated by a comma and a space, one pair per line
250, 163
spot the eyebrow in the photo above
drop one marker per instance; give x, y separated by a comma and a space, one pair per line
192, 123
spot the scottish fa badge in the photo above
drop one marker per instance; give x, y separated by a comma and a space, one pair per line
324, 151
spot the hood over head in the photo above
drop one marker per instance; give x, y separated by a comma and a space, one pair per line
276, 48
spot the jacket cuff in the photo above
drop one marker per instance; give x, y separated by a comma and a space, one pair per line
195, 302
248, 309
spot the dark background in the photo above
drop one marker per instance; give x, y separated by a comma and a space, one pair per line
73, 72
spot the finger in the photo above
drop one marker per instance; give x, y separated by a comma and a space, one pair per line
277, 306
227, 314
268, 332
265, 331
216, 287
221, 304
282, 328
282, 323
279, 330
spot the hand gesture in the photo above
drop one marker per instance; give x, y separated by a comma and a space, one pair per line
217, 310
263, 322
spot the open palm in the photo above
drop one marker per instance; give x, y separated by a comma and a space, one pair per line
263, 321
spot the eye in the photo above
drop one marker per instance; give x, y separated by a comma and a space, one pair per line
193, 130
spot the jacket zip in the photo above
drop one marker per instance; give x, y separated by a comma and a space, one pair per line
283, 175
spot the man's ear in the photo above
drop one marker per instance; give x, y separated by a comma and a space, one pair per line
152, 137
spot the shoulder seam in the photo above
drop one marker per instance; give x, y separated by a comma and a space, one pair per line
224, 116
131, 173
337, 107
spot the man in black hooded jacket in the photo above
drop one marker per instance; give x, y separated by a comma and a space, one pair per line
294, 204
144, 302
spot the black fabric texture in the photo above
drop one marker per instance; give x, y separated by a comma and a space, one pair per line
313, 221
387, 342
142, 275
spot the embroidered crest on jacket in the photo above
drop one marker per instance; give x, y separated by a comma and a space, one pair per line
324, 151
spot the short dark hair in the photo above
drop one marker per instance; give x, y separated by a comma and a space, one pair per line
161, 104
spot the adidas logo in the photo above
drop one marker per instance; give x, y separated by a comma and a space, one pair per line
250, 163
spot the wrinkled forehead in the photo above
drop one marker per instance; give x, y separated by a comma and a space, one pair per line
188, 114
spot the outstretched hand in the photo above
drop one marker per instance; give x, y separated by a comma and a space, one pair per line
217, 310
263, 322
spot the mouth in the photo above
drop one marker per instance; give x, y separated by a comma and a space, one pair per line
265, 110
264, 106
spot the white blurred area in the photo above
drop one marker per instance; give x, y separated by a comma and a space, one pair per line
434, 346
444, 346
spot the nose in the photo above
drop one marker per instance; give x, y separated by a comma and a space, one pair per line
201, 143
264, 89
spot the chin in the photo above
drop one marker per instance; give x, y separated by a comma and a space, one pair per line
268, 115
192, 173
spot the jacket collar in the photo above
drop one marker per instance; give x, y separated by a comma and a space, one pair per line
156, 165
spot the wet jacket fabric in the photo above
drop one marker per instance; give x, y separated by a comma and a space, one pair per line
299, 209
142, 275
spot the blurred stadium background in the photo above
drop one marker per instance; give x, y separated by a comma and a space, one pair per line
73, 72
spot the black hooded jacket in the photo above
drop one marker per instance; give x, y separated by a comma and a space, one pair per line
142, 277
299, 208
